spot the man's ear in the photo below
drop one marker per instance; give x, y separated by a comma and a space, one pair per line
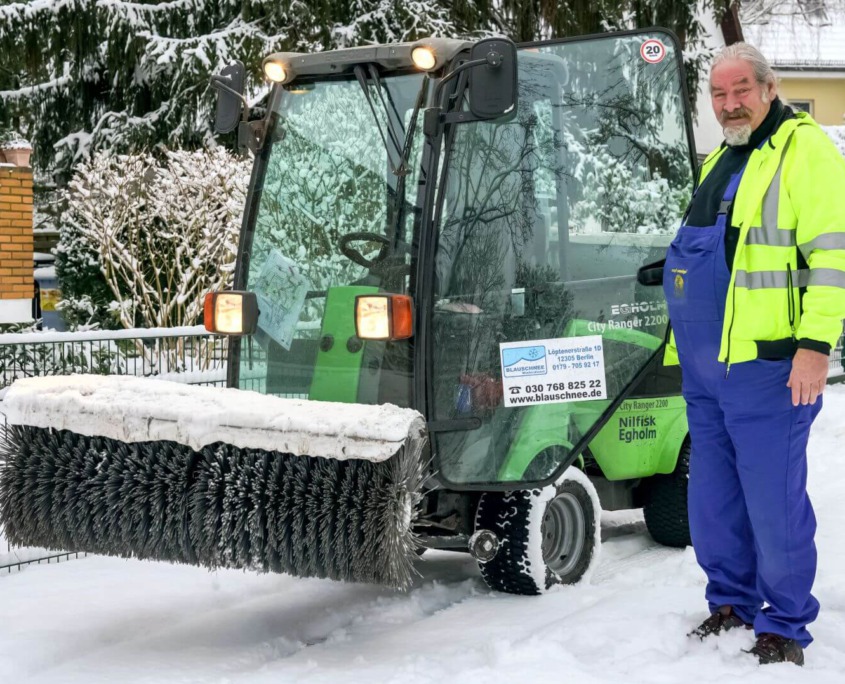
772, 90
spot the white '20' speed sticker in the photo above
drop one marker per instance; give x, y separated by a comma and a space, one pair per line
652, 51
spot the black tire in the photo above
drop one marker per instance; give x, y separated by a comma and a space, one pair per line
522, 564
665, 504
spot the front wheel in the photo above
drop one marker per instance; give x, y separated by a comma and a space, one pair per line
546, 536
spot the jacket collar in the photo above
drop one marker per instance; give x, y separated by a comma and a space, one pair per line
775, 141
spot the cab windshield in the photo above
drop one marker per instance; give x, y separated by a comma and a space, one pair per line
332, 223
539, 324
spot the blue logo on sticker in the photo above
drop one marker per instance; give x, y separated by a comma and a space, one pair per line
518, 362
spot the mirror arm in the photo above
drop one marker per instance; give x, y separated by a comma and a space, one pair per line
433, 116
448, 77
460, 117
217, 82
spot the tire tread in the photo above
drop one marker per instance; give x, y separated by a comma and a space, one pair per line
665, 509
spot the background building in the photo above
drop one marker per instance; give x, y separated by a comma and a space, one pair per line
805, 42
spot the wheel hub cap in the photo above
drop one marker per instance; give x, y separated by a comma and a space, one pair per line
564, 528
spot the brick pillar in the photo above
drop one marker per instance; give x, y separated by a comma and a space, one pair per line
16, 281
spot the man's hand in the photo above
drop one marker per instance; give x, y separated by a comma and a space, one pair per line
808, 376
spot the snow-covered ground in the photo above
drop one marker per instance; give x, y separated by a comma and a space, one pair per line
98, 619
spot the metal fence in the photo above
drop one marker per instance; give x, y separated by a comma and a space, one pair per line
188, 354
15, 558
836, 371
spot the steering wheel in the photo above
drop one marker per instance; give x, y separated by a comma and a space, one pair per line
356, 256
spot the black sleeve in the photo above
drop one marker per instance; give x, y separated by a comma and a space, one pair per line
814, 345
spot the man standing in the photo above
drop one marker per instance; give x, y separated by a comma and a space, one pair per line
755, 284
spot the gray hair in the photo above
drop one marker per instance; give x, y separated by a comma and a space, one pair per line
763, 72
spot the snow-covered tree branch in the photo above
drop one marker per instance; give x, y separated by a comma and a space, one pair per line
85, 75
161, 233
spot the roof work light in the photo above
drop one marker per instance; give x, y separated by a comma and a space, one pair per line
424, 58
275, 71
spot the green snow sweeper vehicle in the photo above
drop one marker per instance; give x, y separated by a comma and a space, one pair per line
438, 335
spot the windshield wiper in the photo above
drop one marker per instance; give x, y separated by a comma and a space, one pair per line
406, 154
365, 79
403, 149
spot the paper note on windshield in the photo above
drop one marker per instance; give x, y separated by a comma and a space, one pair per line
280, 289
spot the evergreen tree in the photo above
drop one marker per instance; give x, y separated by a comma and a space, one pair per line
85, 75
81, 75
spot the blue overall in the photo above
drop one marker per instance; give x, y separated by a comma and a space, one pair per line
751, 520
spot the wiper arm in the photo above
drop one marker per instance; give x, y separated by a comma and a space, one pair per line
382, 92
404, 150
361, 75
406, 153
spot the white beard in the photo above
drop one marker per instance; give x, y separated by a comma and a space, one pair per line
740, 135
737, 135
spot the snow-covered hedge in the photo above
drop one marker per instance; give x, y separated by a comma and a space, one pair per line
143, 238
837, 135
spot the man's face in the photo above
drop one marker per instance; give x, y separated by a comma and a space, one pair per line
739, 102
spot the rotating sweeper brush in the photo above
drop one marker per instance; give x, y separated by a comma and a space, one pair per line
125, 467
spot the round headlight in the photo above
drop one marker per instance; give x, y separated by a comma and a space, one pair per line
275, 72
423, 58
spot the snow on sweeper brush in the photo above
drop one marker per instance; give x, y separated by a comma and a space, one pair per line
442, 334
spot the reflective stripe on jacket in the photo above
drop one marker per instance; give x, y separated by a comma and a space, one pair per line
791, 198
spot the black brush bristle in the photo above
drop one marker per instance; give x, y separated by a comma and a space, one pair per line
218, 507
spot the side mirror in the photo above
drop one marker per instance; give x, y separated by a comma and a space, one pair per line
230, 97
492, 86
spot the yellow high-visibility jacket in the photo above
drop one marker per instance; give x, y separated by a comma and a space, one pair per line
791, 199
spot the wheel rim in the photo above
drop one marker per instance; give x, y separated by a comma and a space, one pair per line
564, 528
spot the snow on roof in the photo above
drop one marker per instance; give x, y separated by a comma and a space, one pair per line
133, 409
16, 144
791, 40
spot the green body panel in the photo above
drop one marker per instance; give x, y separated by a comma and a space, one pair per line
546, 426
642, 438
337, 371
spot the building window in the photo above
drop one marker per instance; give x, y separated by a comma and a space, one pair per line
802, 106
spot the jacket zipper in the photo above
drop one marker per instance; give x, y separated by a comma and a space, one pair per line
790, 304
733, 308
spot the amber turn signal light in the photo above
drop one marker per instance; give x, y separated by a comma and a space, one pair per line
230, 313
384, 317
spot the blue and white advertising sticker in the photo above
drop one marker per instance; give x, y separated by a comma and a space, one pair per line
553, 371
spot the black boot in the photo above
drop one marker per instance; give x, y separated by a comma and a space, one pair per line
773, 648
722, 620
